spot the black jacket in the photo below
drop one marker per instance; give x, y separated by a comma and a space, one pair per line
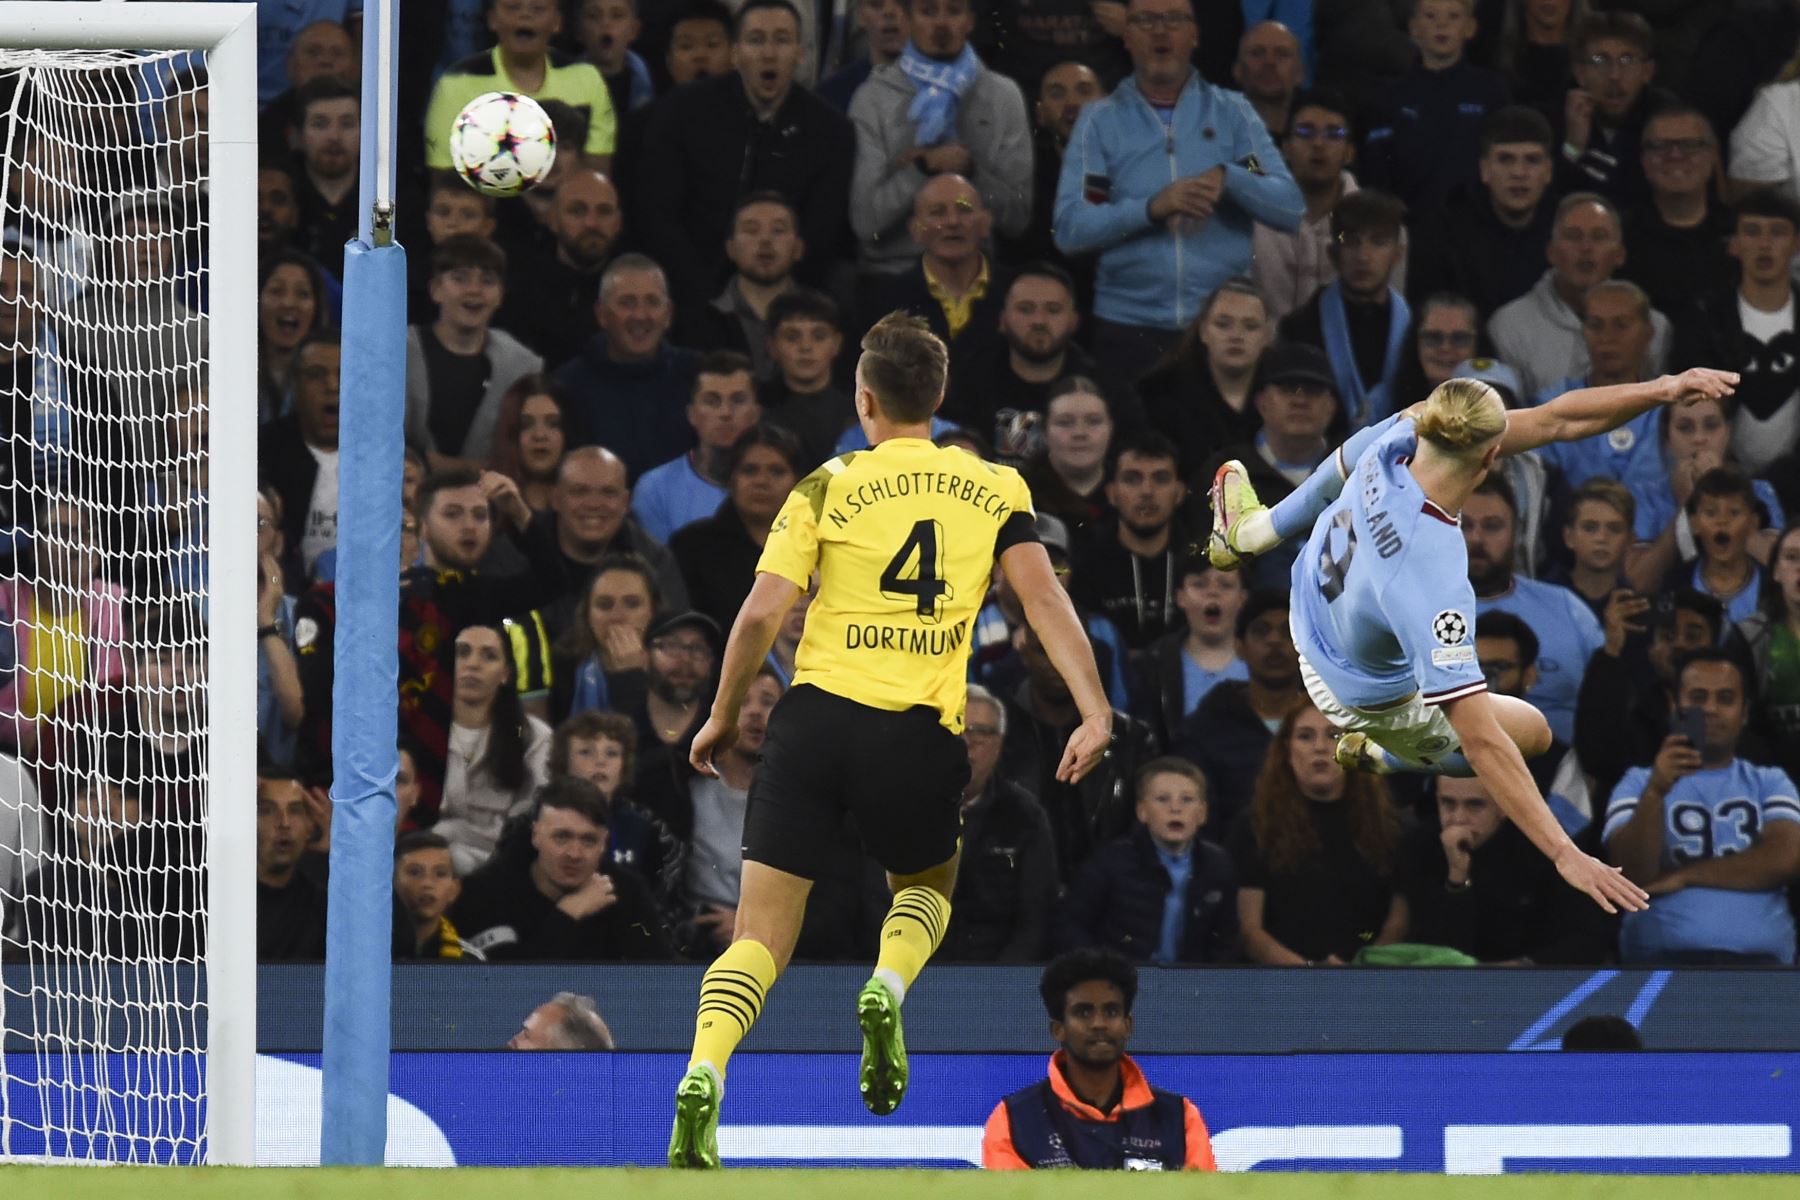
908, 291
986, 387
284, 463
1182, 402
1006, 886
718, 561
1116, 901
1425, 139
704, 149
1225, 738
1136, 594
1468, 250
1159, 685
1516, 905
502, 914
1675, 265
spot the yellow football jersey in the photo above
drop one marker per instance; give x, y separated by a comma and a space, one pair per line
904, 539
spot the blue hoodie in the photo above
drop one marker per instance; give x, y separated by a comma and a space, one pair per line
1121, 154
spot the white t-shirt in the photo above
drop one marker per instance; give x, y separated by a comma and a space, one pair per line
1765, 146
1757, 442
320, 532
715, 865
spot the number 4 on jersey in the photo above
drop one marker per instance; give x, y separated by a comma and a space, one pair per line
916, 572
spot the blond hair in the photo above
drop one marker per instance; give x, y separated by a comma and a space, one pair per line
1461, 415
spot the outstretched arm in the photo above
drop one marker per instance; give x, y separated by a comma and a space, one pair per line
758, 621
1052, 617
1589, 411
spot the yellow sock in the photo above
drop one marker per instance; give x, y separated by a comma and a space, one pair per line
913, 929
731, 997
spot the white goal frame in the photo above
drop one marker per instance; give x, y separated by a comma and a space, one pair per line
227, 34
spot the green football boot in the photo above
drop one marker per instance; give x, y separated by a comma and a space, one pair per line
883, 1075
694, 1143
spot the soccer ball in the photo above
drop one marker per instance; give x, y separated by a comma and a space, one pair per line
502, 143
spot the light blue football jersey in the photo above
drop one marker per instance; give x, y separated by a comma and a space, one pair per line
1382, 605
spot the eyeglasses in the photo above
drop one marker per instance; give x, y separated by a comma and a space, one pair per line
1151, 22
1439, 338
1607, 64
694, 650
1677, 147
1306, 131
981, 733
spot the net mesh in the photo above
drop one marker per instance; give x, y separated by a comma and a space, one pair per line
103, 479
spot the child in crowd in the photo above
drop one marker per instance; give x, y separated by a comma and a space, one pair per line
606, 29
425, 886
1597, 534
805, 336
1724, 516
1176, 671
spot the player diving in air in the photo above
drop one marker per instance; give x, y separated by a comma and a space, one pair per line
904, 538
1383, 613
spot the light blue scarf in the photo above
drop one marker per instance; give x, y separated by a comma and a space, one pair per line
941, 87
1363, 405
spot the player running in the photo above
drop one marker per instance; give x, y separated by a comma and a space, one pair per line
1383, 612
904, 538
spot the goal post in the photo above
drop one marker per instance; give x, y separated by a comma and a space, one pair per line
216, 1056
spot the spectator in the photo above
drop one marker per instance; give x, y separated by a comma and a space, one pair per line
1629, 691
1126, 571
936, 110
1487, 241
1025, 40
1269, 71
290, 307
605, 30
954, 285
1534, 51
1006, 886
718, 555
277, 211
1318, 149
708, 146
1227, 734
1601, 1033
1445, 333
805, 336
564, 1022
1161, 893
327, 143
1714, 839
600, 748
1315, 854
1723, 513
1676, 242
64, 622
425, 886
887, 26
1068, 474
280, 703
787, 638
716, 863
556, 314
498, 753
1565, 626
1115, 200
1617, 330
1614, 58
522, 61
72, 858
1360, 319
530, 437
458, 367
321, 48
1475, 884
1597, 536
1751, 330
1508, 651
1770, 641
297, 455
290, 903
1362, 46
691, 488
1039, 716
1765, 144
564, 904
1115, 1119
680, 651
1176, 671
699, 42
1539, 335
1066, 89
1002, 390
1198, 395
764, 246
629, 386
588, 519
1422, 144
1695, 439
601, 658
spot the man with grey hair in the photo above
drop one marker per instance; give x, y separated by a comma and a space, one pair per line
1540, 334
1006, 887
1269, 71
628, 388
566, 1021
1616, 327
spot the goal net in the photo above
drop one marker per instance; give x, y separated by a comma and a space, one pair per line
104, 602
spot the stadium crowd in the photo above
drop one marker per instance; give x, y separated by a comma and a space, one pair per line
1156, 235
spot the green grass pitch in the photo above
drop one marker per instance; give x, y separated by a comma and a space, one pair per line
155, 1183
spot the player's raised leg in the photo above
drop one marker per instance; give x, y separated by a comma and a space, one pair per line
910, 935
771, 905
1380, 751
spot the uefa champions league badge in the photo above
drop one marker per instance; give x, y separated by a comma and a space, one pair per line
1621, 439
